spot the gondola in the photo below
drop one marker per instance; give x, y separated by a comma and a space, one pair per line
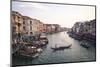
61, 47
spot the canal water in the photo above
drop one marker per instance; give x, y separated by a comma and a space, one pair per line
76, 53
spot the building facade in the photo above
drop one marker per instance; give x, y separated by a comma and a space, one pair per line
32, 26
52, 28
16, 22
29, 26
85, 29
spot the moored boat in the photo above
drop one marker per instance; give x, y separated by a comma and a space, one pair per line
30, 52
29, 56
84, 44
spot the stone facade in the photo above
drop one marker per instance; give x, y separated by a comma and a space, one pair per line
16, 22
85, 29
26, 25
30, 26
40, 26
52, 28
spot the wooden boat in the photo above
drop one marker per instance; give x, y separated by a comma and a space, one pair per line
84, 44
61, 47
30, 56
30, 52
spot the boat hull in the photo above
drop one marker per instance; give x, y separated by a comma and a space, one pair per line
62, 48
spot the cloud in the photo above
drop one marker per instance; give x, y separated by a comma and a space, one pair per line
31, 5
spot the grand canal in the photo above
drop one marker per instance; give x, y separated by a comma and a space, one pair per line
76, 53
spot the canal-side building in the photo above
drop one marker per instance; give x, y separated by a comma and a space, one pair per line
77, 28
52, 28
48, 28
56, 28
89, 27
39, 27
16, 22
28, 26
85, 29
32, 26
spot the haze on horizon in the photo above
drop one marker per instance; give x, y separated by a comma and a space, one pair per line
64, 15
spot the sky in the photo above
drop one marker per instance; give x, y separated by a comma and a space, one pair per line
64, 15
